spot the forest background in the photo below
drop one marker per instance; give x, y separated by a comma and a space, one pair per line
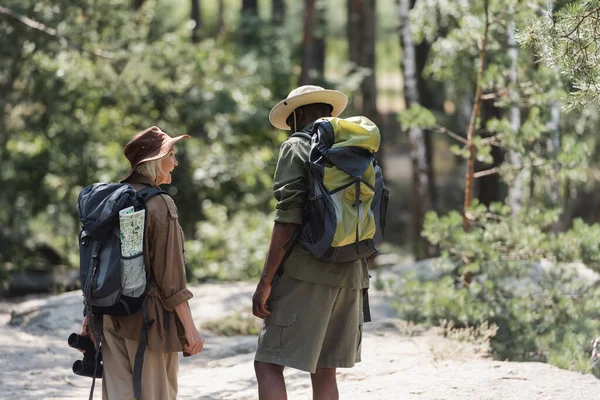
488, 111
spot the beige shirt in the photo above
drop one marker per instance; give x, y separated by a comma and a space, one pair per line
165, 271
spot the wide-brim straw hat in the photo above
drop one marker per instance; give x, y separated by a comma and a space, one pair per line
305, 95
148, 145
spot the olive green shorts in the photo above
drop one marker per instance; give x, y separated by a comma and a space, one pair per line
311, 326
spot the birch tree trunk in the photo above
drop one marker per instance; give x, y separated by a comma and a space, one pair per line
307, 42
516, 189
553, 145
421, 195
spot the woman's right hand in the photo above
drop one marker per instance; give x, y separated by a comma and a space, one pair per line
195, 342
85, 331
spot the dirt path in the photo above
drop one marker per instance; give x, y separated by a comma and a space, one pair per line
399, 362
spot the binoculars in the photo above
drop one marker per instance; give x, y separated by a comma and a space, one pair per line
88, 365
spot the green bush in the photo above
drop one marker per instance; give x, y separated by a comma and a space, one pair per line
521, 281
230, 247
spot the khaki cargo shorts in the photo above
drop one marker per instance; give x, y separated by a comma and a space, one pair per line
311, 326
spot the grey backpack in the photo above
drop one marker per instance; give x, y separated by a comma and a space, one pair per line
112, 284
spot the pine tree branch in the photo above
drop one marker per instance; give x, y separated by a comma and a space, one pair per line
486, 172
490, 96
448, 132
583, 18
38, 26
492, 141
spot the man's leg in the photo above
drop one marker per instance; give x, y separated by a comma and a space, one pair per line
324, 384
271, 385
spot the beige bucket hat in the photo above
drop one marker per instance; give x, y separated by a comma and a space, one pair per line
302, 96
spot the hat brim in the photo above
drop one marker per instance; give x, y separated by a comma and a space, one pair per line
284, 108
157, 154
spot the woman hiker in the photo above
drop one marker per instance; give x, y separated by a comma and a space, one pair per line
152, 157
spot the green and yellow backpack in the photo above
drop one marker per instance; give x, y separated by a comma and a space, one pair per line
344, 216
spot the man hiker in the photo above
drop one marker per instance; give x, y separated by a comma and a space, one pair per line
312, 309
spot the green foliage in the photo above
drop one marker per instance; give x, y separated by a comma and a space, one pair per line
69, 106
230, 247
521, 269
521, 281
417, 116
568, 39
556, 153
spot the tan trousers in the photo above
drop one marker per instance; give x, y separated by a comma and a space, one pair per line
159, 373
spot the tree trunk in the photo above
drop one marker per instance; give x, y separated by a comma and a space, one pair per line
469, 175
427, 100
248, 28
307, 41
250, 7
354, 38
319, 43
553, 145
421, 195
196, 17
278, 12
516, 189
361, 52
488, 187
137, 4
355, 11
221, 18
369, 87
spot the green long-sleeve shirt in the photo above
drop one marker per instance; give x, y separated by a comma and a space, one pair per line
290, 188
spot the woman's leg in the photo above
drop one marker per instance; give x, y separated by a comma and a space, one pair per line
117, 380
159, 373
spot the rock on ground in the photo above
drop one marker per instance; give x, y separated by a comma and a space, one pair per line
399, 361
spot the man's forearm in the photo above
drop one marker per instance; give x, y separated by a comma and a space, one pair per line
281, 236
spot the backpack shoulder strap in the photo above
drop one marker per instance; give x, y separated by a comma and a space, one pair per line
302, 134
146, 193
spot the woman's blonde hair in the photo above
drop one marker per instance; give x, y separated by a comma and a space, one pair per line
150, 169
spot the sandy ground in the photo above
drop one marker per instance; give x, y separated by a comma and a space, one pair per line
399, 361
